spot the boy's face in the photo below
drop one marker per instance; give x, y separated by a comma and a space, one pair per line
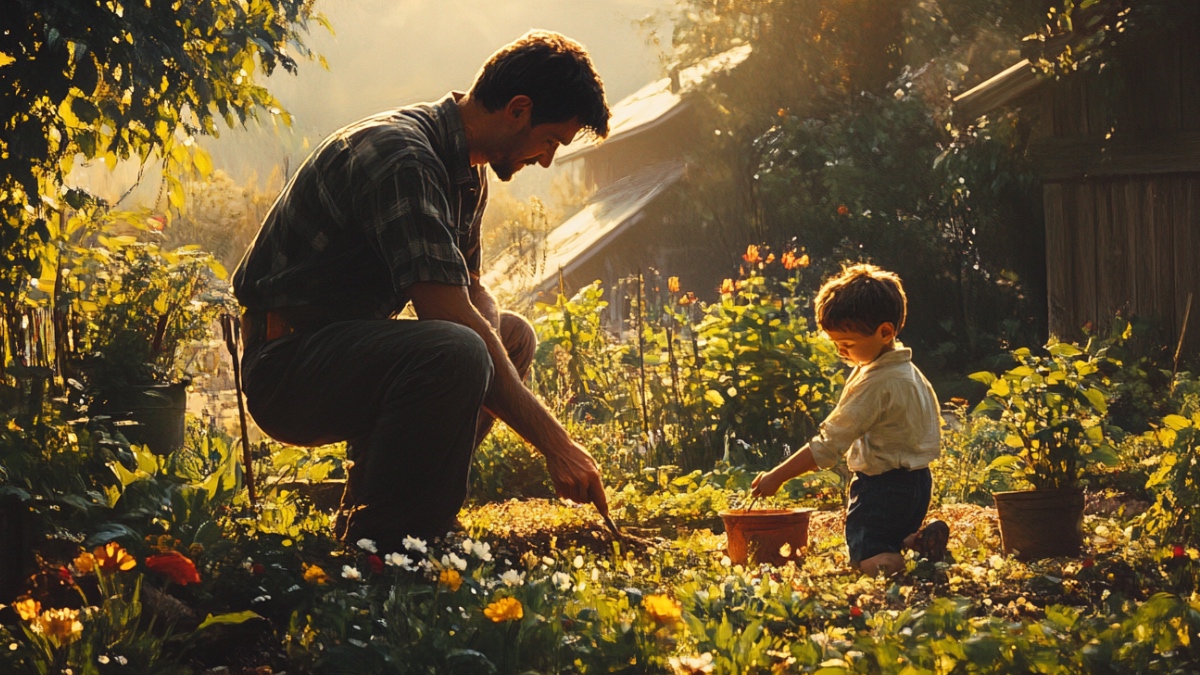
859, 349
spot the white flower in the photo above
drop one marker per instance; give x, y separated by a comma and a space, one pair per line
482, 551
578, 562
725, 561
368, 546
561, 580
352, 573
425, 566
399, 560
356, 643
595, 574
512, 578
468, 546
454, 561
414, 544
122, 660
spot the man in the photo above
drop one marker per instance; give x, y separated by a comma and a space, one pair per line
387, 211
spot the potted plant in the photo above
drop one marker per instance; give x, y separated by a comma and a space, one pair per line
1053, 411
136, 304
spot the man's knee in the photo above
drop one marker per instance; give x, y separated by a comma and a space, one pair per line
520, 340
467, 351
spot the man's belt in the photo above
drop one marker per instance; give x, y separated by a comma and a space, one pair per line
262, 326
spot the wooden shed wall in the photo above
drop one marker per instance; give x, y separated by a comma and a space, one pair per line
1124, 245
1121, 160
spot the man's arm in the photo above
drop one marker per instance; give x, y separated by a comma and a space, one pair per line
484, 301
573, 470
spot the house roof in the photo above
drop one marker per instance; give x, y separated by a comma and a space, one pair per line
568, 246
658, 101
997, 91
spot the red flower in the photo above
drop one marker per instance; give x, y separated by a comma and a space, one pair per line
376, 564
64, 575
1178, 552
843, 210
176, 566
856, 612
258, 569
1087, 563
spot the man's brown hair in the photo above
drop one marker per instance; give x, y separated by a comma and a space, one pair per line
554, 71
861, 299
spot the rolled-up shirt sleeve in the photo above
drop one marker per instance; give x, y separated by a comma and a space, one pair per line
856, 412
408, 221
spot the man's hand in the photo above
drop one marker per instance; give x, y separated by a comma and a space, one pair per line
576, 476
767, 484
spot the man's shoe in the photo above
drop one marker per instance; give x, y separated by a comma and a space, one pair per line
931, 541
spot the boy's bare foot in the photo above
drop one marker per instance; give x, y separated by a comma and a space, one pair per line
930, 542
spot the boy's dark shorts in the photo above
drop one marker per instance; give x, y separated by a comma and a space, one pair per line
885, 509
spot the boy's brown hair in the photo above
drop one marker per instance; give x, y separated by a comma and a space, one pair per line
861, 299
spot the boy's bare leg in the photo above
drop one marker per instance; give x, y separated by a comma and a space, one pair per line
887, 564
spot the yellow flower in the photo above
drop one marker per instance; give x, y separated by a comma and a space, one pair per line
662, 608
28, 608
504, 609
451, 578
314, 574
62, 626
113, 557
727, 287
84, 564
673, 284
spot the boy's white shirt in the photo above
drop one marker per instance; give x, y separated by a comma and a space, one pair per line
887, 418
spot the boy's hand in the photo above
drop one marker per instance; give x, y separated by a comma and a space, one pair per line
766, 484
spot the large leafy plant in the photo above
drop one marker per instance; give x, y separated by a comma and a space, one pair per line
1053, 410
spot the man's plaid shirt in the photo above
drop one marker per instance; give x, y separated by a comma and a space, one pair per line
382, 204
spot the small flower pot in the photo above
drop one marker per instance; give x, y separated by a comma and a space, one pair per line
150, 415
1036, 524
772, 536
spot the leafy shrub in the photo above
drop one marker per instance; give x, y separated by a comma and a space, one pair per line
1053, 412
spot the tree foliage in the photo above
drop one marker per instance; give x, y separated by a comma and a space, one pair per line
117, 80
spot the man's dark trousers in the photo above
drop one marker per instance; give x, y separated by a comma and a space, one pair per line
406, 395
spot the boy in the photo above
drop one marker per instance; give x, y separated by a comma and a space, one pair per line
887, 423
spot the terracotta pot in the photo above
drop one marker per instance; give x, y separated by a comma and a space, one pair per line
1036, 524
758, 536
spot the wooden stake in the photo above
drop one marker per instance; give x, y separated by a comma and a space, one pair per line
1187, 312
232, 329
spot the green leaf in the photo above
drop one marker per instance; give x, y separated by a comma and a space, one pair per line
1064, 349
1177, 422
1014, 441
714, 397
983, 376
1097, 399
234, 618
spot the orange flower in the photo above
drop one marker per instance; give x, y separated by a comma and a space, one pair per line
176, 566
504, 609
113, 557
687, 299
28, 608
770, 258
791, 261
673, 284
451, 579
751, 255
84, 564
314, 574
727, 287
662, 608
843, 210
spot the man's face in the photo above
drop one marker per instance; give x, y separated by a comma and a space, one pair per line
532, 145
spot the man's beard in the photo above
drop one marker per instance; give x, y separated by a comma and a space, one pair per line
506, 169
